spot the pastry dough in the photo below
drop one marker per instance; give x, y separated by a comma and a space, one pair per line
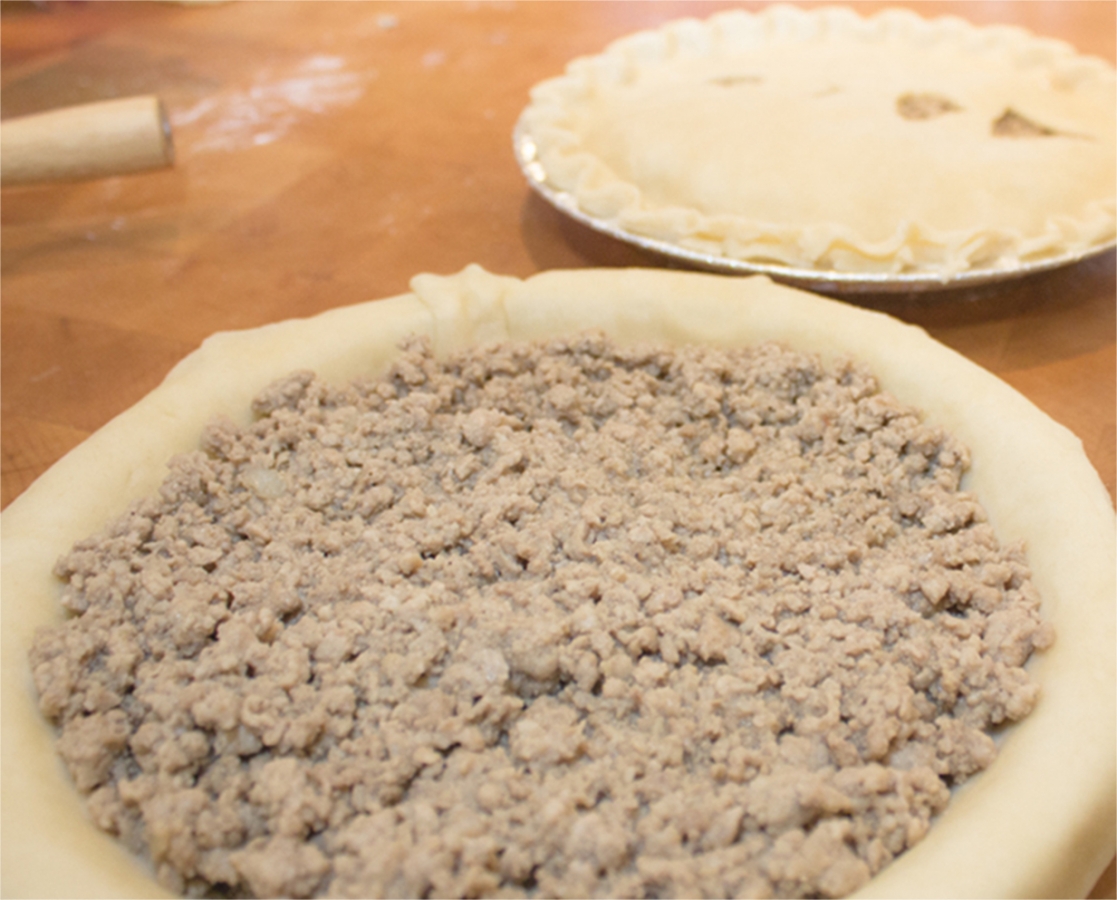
819, 140
1031, 825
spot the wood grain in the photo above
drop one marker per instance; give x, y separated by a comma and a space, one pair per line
327, 152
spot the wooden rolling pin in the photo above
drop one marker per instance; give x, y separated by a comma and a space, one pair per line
94, 140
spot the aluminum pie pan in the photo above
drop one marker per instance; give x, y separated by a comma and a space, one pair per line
823, 280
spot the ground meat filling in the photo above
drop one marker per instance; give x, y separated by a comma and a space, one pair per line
565, 619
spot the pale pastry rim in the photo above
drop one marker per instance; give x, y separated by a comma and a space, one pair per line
566, 166
1039, 822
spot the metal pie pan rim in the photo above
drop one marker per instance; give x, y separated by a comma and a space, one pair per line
828, 280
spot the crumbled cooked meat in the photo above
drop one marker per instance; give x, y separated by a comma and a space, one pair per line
544, 620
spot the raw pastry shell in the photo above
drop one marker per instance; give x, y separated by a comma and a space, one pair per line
1039, 822
774, 138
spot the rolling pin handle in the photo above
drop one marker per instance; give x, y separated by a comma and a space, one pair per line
93, 140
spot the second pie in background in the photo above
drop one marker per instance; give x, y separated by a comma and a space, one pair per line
828, 143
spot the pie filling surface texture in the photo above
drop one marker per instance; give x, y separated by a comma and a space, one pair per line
563, 618
823, 140
1065, 521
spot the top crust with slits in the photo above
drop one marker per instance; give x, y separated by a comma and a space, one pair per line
820, 139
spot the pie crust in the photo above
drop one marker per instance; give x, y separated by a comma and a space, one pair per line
820, 140
1039, 822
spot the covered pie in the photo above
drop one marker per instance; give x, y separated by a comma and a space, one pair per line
821, 140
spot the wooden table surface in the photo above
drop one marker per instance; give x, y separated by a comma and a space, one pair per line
327, 152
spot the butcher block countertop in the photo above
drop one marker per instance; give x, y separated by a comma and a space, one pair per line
327, 152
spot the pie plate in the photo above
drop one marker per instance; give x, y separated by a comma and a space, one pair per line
827, 281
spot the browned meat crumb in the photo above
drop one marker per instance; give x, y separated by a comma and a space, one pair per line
545, 620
